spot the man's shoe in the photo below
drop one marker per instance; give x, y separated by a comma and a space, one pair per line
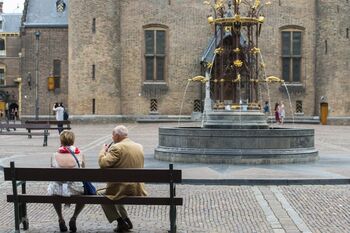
127, 220
72, 225
62, 225
123, 226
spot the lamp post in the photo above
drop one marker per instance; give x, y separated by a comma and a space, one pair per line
37, 37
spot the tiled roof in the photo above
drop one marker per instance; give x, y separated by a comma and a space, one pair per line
45, 14
11, 22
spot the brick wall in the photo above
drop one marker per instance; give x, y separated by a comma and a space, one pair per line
53, 44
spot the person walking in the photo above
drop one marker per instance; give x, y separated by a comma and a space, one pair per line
277, 113
282, 112
266, 108
121, 153
64, 158
58, 108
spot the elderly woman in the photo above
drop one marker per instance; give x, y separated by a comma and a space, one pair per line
63, 158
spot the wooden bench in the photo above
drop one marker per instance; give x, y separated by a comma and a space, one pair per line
48, 124
19, 176
5, 129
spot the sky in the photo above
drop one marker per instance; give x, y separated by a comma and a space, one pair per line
10, 6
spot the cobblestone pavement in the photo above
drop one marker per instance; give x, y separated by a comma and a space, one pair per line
214, 209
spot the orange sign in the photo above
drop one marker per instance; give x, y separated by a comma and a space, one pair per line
51, 83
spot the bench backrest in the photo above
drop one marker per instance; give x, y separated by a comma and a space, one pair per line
94, 175
25, 126
50, 122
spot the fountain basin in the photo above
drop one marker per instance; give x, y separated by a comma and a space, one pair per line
236, 146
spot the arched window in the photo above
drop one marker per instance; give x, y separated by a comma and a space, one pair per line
291, 37
2, 47
155, 52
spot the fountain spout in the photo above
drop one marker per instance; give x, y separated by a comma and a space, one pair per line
199, 79
271, 79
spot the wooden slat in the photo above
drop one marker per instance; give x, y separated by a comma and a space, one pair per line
23, 133
95, 199
95, 175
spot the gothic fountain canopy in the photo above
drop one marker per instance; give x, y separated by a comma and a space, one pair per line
232, 60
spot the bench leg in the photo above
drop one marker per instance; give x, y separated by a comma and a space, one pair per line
29, 135
172, 219
46, 132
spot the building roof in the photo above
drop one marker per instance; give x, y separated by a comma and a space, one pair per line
38, 14
10, 22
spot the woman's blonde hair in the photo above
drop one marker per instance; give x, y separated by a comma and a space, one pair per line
67, 138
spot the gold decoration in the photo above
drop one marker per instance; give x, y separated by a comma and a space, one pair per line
209, 65
237, 50
222, 80
219, 5
237, 79
256, 4
255, 50
238, 63
238, 2
262, 65
261, 19
228, 28
215, 80
218, 50
210, 19
206, 2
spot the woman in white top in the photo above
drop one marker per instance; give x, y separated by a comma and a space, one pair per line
64, 159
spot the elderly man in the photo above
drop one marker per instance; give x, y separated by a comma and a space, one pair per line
122, 153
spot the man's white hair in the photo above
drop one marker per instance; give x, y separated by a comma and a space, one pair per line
121, 130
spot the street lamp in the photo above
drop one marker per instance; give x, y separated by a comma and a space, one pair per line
37, 37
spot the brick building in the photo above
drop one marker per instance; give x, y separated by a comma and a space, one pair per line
10, 45
132, 57
44, 36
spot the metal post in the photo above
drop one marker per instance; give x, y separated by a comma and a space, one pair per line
37, 37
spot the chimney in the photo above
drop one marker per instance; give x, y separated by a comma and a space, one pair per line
1, 4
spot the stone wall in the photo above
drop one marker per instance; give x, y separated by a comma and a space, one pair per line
333, 53
101, 48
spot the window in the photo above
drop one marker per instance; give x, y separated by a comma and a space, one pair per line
93, 75
299, 106
57, 73
93, 25
347, 33
2, 77
2, 47
291, 56
155, 54
93, 106
1, 25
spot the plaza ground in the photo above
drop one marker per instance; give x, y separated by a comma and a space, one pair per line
207, 208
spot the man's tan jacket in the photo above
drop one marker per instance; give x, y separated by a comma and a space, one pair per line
125, 154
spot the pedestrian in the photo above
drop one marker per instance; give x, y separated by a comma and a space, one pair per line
266, 107
121, 153
64, 158
277, 113
282, 112
58, 108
